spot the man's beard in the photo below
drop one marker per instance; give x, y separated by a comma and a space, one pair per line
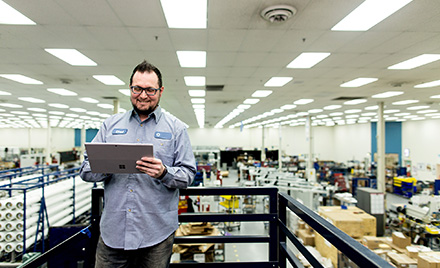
144, 112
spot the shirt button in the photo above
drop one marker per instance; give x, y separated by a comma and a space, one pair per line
129, 210
131, 190
142, 125
137, 139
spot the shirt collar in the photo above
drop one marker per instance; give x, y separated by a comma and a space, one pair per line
156, 114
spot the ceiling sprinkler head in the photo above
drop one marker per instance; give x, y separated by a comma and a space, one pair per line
279, 13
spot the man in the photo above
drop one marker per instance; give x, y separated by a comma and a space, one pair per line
140, 211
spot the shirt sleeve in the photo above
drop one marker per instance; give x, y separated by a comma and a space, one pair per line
182, 173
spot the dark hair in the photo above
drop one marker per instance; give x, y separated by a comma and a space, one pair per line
146, 67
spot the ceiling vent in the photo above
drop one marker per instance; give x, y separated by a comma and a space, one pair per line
344, 98
278, 13
214, 87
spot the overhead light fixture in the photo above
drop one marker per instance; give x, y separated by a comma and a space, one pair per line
197, 100
307, 60
41, 110
125, 92
372, 108
278, 81
303, 101
30, 99
314, 111
192, 59
109, 80
354, 102
11, 105
391, 111
62, 91
418, 107
58, 105
89, 100
93, 113
352, 111
435, 97
189, 14
387, 94
71, 56
9, 15
415, 62
56, 112
332, 107
198, 106
288, 107
251, 101
105, 106
427, 111
358, 82
405, 102
244, 106
78, 110
195, 81
197, 93
261, 93
368, 14
21, 79
428, 84
4, 93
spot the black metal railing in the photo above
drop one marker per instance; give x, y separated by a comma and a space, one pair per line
277, 239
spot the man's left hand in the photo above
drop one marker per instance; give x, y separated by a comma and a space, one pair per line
150, 166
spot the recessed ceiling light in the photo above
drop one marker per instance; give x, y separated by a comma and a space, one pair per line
192, 59
71, 56
62, 91
415, 62
308, 60
358, 82
387, 94
288, 107
332, 107
9, 15
244, 106
11, 105
109, 80
93, 113
197, 100
352, 111
368, 14
278, 81
371, 108
19, 112
428, 84
314, 111
72, 115
36, 109
89, 100
198, 106
391, 111
197, 93
303, 101
251, 101
276, 111
125, 92
56, 112
405, 102
4, 93
78, 110
105, 105
58, 105
195, 81
261, 93
421, 112
354, 102
21, 79
190, 14
435, 97
30, 99
418, 107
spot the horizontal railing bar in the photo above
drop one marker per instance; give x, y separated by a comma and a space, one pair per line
289, 254
225, 217
356, 252
229, 191
222, 239
269, 264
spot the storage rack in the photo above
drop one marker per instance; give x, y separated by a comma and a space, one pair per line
31, 201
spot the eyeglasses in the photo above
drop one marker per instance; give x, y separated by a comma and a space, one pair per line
150, 91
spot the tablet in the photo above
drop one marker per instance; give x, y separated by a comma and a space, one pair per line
116, 157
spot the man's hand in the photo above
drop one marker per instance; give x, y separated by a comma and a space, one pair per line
151, 166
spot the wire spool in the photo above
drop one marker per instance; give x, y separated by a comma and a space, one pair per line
9, 237
18, 247
14, 215
9, 247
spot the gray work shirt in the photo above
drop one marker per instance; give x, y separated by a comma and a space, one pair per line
139, 210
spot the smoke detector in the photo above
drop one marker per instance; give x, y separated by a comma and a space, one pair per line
278, 13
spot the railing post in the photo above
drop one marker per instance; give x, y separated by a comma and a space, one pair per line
282, 236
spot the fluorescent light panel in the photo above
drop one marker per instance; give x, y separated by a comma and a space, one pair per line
261, 93
278, 81
189, 14
405, 102
4, 93
30, 99
89, 100
308, 60
368, 14
387, 94
125, 92
251, 101
303, 101
71, 56
62, 91
192, 59
428, 84
21, 79
197, 93
358, 82
195, 81
415, 62
109, 80
354, 102
9, 15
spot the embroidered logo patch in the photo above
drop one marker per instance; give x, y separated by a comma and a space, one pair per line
163, 135
119, 131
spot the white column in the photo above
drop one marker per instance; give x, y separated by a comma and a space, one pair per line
280, 162
48, 144
310, 170
83, 140
29, 140
263, 153
115, 106
380, 140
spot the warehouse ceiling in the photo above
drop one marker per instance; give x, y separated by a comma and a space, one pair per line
243, 52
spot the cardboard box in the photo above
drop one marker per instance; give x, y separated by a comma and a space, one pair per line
400, 240
374, 242
307, 238
401, 260
428, 260
326, 249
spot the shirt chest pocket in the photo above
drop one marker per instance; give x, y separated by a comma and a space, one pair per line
164, 147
